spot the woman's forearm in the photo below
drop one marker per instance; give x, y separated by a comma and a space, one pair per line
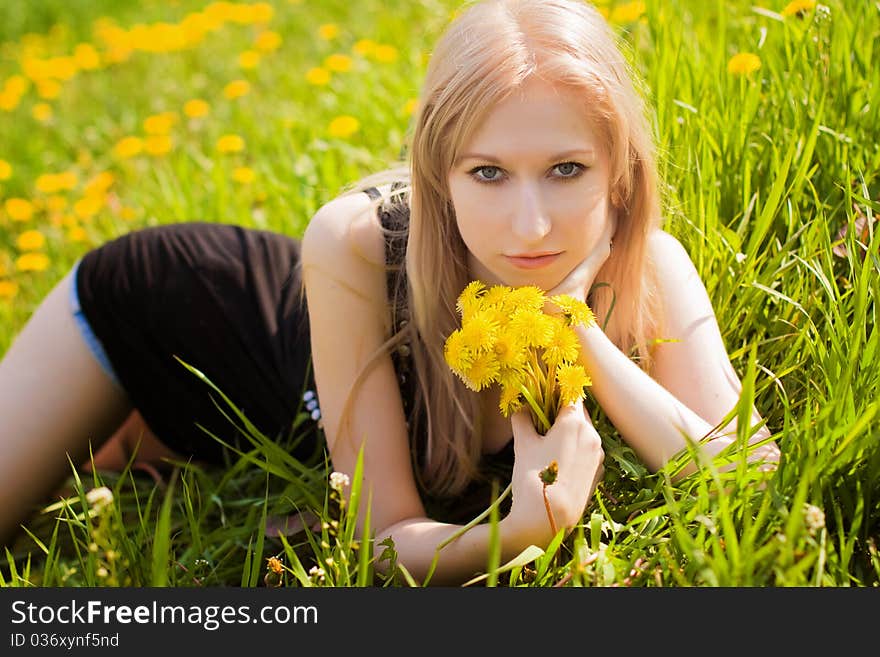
416, 541
649, 418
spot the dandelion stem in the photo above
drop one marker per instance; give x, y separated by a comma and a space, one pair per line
545, 423
549, 511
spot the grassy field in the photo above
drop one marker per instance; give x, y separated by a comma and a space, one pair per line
119, 115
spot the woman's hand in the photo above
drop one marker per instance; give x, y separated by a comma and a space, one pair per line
574, 444
580, 279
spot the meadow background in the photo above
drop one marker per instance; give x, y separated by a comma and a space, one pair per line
119, 114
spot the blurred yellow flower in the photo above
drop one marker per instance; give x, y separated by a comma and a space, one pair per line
8, 289
243, 175
99, 183
628, 12
158, 144
268, 41
798, 7
338, 63
160, 124
318, 76
48, 89
19, 209
249, 59
86, 57
410, 106
50, 183
343, 127
328, 31
30, 240
77, 234
236, 89
743, 63
5, 170
230, 144
42, 112
385, 54
196, 108
8, 101
128, 147
56, 203
16, 84
129, 214
32, 262
87, 207
364, 47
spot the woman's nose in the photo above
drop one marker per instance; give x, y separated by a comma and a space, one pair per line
531, 217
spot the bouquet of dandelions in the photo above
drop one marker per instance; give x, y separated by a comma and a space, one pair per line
508, 339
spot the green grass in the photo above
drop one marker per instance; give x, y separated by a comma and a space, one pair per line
760, 173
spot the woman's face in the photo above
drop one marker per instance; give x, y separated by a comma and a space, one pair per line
533, 179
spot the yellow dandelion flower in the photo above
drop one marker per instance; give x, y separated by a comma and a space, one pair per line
574, 310
160, 124
236, 89
743, 63
497, 295
267, 41
157, 145
572, 379
99, 183
328, 31
482, 372
67, 180
128, 147
511, 398
77, 234
243, 175
196, 108
479, 332
48, 89
42, 112
510, 350
5, 170
385, 54
86, 57
318, 76
628, 12
230, 144
8, 101
457, 355
338, 63
364, 47
30, 240
528, 297
469, 300
19, 209
249, 59
88, 207
262, 12
563, 345
8, 289
56, 203
32, 262
534, 327
48, 183
798, 7
343, 127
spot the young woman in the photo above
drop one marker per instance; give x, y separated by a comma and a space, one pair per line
531, 163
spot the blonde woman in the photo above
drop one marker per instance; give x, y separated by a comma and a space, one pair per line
531, 163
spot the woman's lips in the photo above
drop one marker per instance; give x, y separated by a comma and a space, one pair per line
533, 263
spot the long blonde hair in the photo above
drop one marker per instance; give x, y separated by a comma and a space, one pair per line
491, 49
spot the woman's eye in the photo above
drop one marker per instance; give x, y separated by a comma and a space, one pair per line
568, 169
487, 174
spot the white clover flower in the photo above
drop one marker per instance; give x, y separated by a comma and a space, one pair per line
99, 498
814, 517
338, 481
317, 573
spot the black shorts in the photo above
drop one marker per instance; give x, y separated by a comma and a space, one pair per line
226, 301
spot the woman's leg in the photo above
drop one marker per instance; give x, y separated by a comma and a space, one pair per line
54, 399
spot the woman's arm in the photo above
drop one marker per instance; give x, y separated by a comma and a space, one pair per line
694, 385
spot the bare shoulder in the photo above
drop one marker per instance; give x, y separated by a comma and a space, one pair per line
344, 227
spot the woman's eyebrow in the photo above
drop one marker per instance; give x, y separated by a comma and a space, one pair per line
555, 157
